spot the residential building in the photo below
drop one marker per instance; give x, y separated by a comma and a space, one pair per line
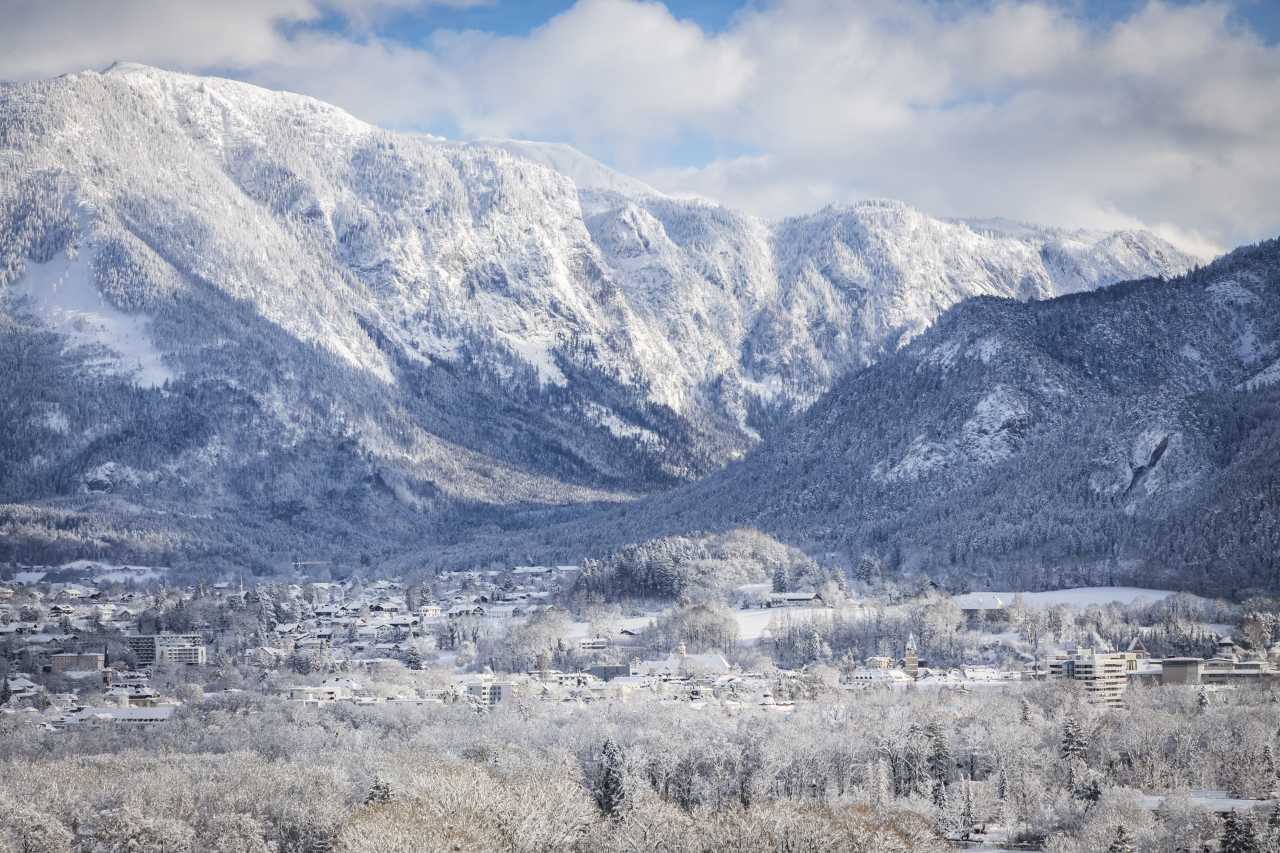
491, 692
682, 665
794, 599
129, 715
336, 689
877, 677
78, 662
1105, 675
151, 649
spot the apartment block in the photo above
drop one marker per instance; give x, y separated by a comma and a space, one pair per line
1105, 675
152, 649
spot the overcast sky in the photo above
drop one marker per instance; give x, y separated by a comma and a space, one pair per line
1100, 113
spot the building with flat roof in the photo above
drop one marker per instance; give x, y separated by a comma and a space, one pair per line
78, 662
1218, 671
1181, 670
491, 692
1105, 675
152, 649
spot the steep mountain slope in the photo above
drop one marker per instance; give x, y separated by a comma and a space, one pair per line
298, 297
1126, 433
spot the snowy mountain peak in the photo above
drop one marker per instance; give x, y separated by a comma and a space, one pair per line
587, 173
643, 337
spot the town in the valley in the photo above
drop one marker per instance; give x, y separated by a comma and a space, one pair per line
91, 643
127, 651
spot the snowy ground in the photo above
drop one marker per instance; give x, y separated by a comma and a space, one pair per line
62, 294
581, 630
1080, 597
752, 624
111, 573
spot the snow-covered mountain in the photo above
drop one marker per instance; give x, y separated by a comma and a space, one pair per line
1129, 434
470, 322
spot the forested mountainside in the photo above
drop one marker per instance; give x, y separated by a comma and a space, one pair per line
1130, 433
238, 316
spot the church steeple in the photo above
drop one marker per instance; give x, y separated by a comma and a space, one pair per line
911, 659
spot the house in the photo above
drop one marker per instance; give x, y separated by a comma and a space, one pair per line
794, 599
21, 687
329, 690
681, 665
866, 676
126, 716
593, 644
134, 695
533, 571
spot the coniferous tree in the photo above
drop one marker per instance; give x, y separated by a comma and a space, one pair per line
1273, 828
968, 816
1238, 835
611, 791
1074, 744
940, 761
781, 579
379, 793
1122, 842
1073, 750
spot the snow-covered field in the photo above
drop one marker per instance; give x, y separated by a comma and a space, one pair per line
112, 573
1080, 597
754, 623
580, 630
61, 293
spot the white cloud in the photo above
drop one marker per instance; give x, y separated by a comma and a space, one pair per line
1169, 118
46, 37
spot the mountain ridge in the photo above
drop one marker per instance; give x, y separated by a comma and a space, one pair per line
1131, 432
464, 327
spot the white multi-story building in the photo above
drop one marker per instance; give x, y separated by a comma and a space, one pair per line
491, 692
151, 649
1105, 675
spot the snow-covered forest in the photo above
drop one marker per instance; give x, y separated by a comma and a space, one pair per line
881, 772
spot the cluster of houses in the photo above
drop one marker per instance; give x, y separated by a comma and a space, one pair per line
384, 618
58, 628
696, 679
55, 628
